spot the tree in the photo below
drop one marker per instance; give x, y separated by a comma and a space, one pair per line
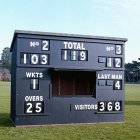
6, 58
132, 71
0, 63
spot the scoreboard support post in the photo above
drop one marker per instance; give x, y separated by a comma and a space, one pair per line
66, 78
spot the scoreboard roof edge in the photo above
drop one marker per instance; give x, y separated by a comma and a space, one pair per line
24, 32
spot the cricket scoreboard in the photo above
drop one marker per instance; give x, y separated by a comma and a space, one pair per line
66, 78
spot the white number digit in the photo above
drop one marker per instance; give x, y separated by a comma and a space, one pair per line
38, 108
65, 55
29, 108
117, 62
118, 49
109, 106
44, 59
109, 62
24, 58
82, 55
102, 106
34, 59
117, 106
73, 55
45, 45
117, 85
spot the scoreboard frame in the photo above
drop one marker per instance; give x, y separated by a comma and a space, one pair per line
66, 78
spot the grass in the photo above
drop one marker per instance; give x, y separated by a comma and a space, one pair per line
128, 130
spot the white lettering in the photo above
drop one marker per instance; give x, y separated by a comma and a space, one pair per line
34, 74
109, 76
117, 76
109, 48
28, 74
79, 47
34, 44
103, 76
74, 45
70, 45
65, 44
40, 75
86, 107
33, 98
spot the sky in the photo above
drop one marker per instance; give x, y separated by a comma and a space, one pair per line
113, 18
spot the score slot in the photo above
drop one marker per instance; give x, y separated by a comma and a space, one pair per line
74, 55
34, 84
118, 50
117, 62
33, 107
114, 62
116, 84
24, 58
65, 55
109, 106
34, 59
110, 62
45, 45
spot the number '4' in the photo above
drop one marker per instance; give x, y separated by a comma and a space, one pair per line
118, 85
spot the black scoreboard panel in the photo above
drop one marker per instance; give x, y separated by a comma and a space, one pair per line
64, 78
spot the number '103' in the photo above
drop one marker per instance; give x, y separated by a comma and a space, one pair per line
34, 59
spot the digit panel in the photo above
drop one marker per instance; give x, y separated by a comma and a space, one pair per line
118, 49
34, 84
109, 106
114, 84
74, 55
33, 107
113, 62
110, 62
45, 45
117, 85
34, 59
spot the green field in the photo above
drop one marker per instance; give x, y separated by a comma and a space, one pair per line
129, 130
